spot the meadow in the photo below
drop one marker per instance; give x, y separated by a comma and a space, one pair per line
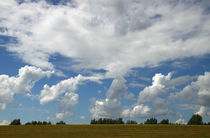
105, 131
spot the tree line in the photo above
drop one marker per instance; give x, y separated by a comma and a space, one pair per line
18, 122
194, 120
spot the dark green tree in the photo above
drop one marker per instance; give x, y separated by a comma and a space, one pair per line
195, 120
34, 123
131, 122
164, 121
15, 122
93, 121
151, 121
60, 123
119, 121
44, 123
28, 123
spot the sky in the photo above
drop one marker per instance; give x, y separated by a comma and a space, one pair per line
75, 60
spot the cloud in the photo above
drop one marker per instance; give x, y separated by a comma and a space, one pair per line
114, 36
64, 93
59, 116
99, 91
129, 96
20, 84
111, 106
134, 84
4, 122
159, 86
145, 78
198, 92
68, 86
202, 84
108, 35
82, 117
68, 102
137, 111
203, 111
180, 121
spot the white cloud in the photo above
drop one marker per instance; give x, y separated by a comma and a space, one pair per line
82, 117
203, 111
59, 116
20, 84
99, 91
67, 86
198, 92
202, 84
137, 111
187, 94
108, 108
112, 35
135, 84
64, 92
68, 102
129, 96
159, 86
111, 106
115, 36
180, 121
4, 122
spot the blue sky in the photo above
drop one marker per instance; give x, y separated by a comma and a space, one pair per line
77, 60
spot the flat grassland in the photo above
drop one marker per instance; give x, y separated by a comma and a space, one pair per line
105, 131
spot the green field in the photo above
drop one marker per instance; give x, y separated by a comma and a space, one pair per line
99, 131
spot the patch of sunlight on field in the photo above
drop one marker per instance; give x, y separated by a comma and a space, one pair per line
101, 131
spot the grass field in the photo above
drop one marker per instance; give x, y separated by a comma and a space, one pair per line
102, 131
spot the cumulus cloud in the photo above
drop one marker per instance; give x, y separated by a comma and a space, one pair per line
180, 121
82, 117
20, 84
203, 111
197, 92
159, 86
4, 122
69, 101
111, 106
137, 111
59, 116
64, 93
68, 86
129, 96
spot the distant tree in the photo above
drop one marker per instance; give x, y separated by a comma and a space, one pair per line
44, 123
100, 121
151, 121
195, 120
49, 123
107, 121
119, 121
34, 123
164, 121
60, 123
208, 123
93, 121
28, 123
131, 122
39, 123
15, 122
